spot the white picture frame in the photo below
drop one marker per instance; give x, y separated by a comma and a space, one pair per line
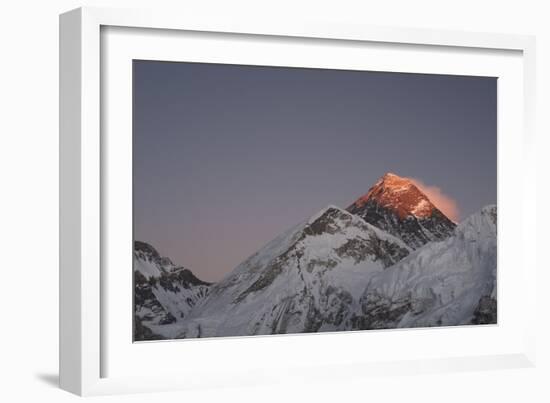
91, 361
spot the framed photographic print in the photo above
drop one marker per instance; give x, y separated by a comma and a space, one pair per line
247, 197
246, 178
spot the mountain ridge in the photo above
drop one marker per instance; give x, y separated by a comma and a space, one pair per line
446, 283
396, 205
388, 265
164, 293
306, 280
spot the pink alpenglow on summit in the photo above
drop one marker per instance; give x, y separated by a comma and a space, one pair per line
399, 194
397, 205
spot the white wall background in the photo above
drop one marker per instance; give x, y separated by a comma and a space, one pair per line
29, 187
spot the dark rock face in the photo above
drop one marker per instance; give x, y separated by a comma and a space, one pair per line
414, 231
330, 222
485, 312
146, 301
143, 248
379, 312
144, 297
380, 249
162, 298
178, 278
397, 206
142, 332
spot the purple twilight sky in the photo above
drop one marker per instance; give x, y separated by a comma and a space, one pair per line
227, 157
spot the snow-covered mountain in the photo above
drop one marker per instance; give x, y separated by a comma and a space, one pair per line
394, 204
452, 282
163, 292
337, 272
391, 260
309, 279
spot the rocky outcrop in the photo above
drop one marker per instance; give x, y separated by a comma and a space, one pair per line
395, 205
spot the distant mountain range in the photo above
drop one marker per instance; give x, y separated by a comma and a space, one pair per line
391, 260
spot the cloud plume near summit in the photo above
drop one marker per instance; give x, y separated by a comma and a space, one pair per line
442, 201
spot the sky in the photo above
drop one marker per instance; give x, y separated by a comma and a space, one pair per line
226, 157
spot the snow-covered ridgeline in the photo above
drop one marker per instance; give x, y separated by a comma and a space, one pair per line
309, 279
333, 271
164, 293
452, 282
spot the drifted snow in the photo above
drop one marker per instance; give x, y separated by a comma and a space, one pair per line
442, 283
146, 267
170, 299
422, 208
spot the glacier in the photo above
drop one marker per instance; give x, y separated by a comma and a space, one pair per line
452, 282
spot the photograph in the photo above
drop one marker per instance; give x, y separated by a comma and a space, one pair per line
267, 203
273, 200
